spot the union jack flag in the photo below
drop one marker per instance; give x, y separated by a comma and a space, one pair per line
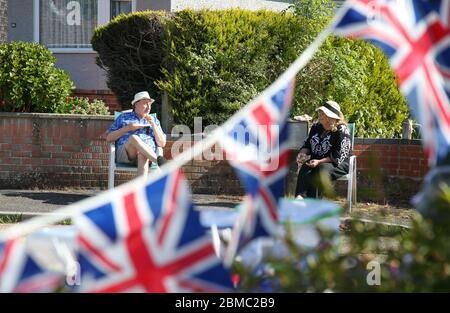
257, 146
21, 272
149, 239
415, 35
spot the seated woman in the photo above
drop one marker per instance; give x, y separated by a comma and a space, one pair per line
328, 145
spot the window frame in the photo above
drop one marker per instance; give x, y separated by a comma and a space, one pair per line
104, 16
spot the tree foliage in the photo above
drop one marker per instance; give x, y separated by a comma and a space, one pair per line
130, 51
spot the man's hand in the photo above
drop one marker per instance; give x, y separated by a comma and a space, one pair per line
150, 119
134, 126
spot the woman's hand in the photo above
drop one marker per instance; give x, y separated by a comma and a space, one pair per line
301, 158
313, 163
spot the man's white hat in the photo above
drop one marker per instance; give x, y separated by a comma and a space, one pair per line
142, 95
331, 109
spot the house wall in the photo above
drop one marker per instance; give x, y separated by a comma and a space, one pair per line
20, 19
82, 69
3, 20
142, 5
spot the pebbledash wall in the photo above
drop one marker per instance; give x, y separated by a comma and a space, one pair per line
3, 20
50, 150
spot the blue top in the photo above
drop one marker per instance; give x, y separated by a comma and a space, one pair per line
146, 133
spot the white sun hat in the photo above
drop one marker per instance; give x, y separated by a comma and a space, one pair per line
331, 109
142, 95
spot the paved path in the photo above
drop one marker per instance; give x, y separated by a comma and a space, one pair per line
36, 202
29, 203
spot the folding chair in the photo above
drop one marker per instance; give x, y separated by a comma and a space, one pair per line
113, 165
351, 176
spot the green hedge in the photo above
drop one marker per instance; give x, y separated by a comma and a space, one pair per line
211, 63
357, 75
29, 80
130, 51
219, 60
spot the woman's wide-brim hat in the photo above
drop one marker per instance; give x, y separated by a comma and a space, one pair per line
331, 109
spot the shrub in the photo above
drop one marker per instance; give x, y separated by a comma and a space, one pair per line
354, 73
357, 75
29, 80
130, 51
211, 63
80, 105
219, 60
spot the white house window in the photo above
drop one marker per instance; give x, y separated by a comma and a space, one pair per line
67, 23
119, 7
67, 26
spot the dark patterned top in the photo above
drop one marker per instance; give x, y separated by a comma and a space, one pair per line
322, 144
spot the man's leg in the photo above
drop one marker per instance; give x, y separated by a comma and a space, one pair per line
135, 146
142, 165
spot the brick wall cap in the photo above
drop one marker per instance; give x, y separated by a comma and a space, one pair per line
56, 116
93, 91
387, 141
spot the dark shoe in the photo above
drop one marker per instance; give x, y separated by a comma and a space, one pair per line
161, 161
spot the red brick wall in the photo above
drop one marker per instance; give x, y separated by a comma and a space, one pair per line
106, 95
395, 157
52, 150
49, 150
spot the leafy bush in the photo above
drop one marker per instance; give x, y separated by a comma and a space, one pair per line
130, 51
29, 80
354, 73
80, 105
211, 63
218, 60
357, 75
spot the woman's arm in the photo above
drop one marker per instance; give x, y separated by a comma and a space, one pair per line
315, 162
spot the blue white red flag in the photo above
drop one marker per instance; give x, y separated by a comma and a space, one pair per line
148, 239
257, 146
21, 272
415, 35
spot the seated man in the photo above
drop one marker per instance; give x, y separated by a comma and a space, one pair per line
138, 135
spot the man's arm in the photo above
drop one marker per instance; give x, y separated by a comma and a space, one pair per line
159, 134
114, 135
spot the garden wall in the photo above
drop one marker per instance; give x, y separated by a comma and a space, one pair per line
107, 96
49, 150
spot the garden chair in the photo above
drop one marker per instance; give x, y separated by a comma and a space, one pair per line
351, 176
113, 165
